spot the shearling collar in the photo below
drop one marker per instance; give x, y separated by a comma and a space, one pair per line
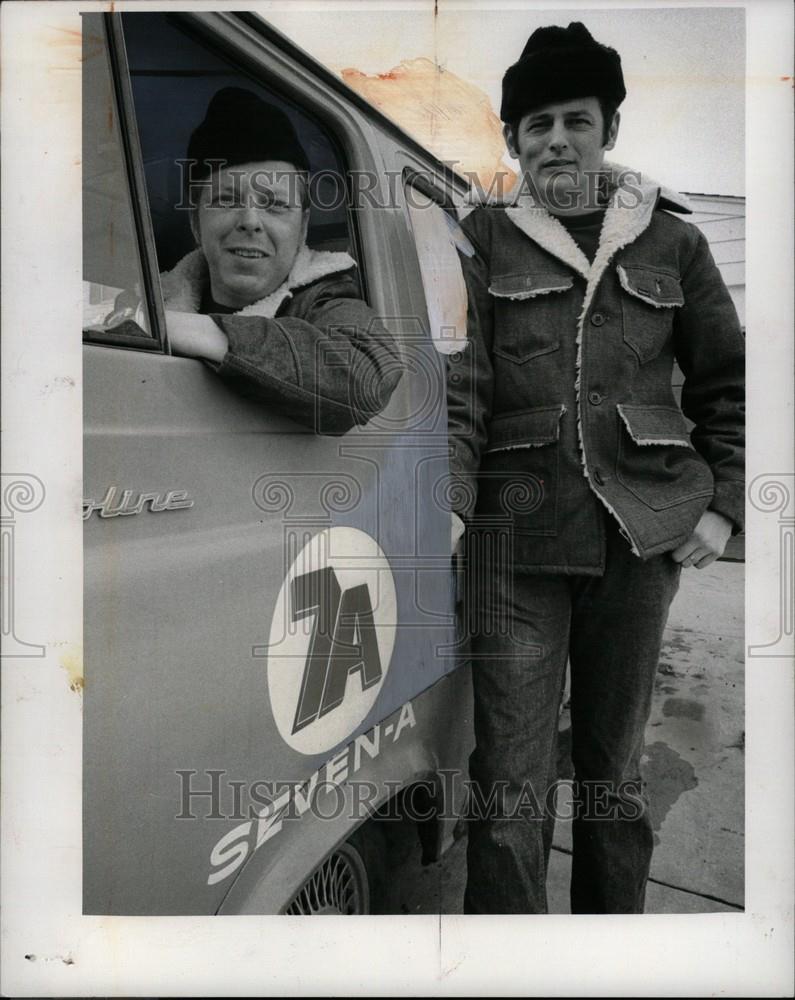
184, 285
628, 214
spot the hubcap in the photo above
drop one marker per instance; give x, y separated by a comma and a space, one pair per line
339, 886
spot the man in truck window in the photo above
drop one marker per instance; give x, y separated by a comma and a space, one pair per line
582, 292
275, 319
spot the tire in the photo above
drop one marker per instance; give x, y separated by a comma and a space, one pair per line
350, 882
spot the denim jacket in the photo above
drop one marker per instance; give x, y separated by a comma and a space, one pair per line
562, 402
312, 349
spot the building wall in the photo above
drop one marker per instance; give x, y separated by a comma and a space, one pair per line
722, 220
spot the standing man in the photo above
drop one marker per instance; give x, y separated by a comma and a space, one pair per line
582, 293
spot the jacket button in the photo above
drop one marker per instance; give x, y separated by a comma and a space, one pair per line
598, 477
598, 318
595, 398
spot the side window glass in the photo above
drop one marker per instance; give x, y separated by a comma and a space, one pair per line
438, 239
174, 75
114, 303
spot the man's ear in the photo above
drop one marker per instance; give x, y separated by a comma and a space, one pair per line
194, 226
612, 132
305, 226
507, 134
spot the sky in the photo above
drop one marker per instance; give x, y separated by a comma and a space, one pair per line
684, 68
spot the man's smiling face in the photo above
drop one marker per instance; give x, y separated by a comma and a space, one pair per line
561, 148
250, 224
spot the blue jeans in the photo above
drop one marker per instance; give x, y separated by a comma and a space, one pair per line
610, 627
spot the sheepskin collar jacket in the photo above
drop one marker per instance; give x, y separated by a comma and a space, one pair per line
562, 406
282, 348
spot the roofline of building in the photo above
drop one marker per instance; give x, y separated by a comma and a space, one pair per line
723, 197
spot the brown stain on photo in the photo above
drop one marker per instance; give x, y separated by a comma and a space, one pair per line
449, 116
72, 662
72, 44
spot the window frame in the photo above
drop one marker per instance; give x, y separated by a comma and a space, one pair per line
420, 181
411, 177
157, 337
253, 48
230, 35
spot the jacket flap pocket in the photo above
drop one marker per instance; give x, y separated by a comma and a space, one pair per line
655, 424
657, 288
527, 286
527, 429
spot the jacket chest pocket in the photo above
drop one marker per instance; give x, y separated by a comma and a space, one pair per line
648, 304
527, 314
518, 477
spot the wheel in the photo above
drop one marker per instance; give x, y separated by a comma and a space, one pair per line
339, 886
349, 882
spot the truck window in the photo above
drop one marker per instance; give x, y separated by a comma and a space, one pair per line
114, 304
174, 74
437, 236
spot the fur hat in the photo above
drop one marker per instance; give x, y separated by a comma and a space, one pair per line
240, 127
558, 64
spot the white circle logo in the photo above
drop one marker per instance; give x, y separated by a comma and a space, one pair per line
331, 639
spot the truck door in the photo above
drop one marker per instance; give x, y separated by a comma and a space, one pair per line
216, 527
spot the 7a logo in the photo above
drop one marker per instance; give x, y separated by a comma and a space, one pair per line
343, 641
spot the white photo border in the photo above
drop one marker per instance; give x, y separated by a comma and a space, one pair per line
76, 955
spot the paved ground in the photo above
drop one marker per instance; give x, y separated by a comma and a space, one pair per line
694, 765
